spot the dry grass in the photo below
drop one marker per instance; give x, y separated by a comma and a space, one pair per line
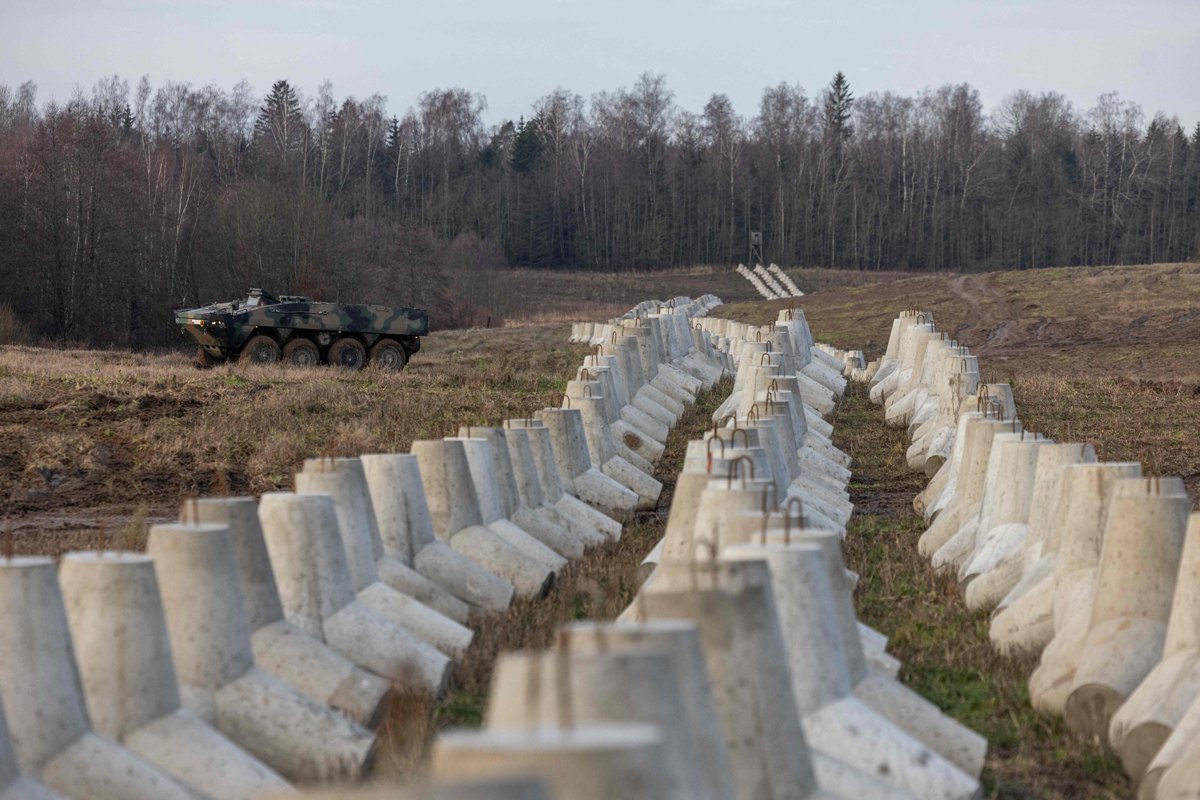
558, 295
93, 439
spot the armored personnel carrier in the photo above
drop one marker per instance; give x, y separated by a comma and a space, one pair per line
301, 331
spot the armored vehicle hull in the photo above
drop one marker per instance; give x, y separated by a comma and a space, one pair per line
304, 332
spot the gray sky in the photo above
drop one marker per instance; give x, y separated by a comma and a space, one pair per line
517, 51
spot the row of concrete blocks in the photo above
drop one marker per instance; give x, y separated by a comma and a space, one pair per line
595, 333
771, 282
740, 669
255, 644
854, 363
1092, 566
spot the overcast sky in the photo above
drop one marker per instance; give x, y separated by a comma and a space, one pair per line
517, 51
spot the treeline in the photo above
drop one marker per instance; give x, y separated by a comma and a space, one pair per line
118, 206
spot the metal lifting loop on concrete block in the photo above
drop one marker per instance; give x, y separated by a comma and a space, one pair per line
587, 392
729, 418
745, 437
735, 470
564, 399
766, 355
585, 374
798, 504
708, 449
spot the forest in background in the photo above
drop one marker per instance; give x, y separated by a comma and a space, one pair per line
119, 205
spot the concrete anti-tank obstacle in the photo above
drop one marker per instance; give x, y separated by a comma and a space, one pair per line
297, 658
48, 723
455, 512
612, 687
1004, 513
14, 785
603, 451
491, 509
900, 705
214, 662
405, 525
1024, 620
964, 506
869, 646
1180, 782
520, 788
1001, 569
679, 640
579, 514
1087, 489
835, 722
395, 553
734, 612
537, 523
1174, 771
943, 485
583, 762
533, 496
343, 480
318, 597
1135, 583
1145, 721
579, 477
952, 556
633, 441
128, 675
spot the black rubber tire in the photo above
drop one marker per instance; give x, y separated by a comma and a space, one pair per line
347, 353
206, 360
260, 349
388, 355
301, 352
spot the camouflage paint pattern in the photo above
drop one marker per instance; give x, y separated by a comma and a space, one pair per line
225, 327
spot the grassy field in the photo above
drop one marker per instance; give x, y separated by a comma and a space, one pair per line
95, 444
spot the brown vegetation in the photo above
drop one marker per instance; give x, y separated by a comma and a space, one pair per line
94, 439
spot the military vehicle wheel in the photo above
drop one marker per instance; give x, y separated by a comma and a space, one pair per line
388, 355
301, 352
206, 360
260, 350
347, 353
